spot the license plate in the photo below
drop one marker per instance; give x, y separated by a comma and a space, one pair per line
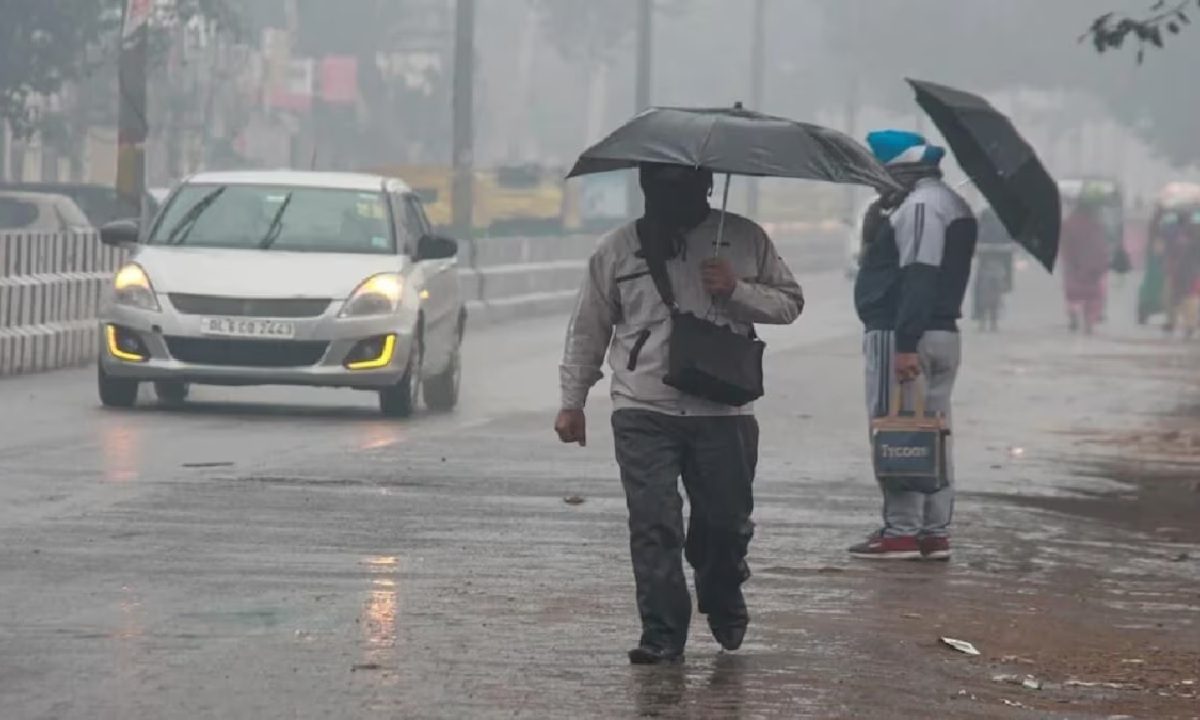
248, 328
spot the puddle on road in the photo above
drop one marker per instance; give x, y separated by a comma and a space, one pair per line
380, 435
121, 449
379, 617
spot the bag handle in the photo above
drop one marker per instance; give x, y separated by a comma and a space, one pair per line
896, 403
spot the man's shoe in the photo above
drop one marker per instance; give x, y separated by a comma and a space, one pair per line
729, 634
880, 547
935, 548
647, 655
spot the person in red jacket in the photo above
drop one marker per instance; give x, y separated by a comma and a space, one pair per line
1085, 260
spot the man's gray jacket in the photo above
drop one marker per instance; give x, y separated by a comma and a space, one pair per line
620, 312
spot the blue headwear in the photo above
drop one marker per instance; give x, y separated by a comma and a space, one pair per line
895, 147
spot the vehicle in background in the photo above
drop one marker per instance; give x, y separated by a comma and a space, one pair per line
523, 200
1176, 217
100, 203
508, 200
40, 212
286, 278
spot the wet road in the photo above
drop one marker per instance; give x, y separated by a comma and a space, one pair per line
279, 553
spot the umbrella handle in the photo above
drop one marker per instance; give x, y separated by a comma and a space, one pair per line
721, 225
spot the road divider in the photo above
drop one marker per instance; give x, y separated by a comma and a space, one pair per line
50, 290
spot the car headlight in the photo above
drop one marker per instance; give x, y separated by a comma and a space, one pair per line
133, 288
377, 295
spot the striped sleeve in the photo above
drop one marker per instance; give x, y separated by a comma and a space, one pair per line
920, 234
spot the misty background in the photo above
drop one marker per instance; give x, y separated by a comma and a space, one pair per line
366, 84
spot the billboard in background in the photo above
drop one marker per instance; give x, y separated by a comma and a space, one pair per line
339, 80
293, 89
603, 198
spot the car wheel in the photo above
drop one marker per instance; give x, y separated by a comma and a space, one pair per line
441, 391
400, 400
116, 392
171, 392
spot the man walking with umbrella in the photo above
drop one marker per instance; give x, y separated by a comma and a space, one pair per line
722, 267
916, 264
685, 277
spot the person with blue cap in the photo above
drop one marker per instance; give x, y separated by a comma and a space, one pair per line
918, 246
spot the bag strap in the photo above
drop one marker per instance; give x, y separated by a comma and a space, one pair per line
920, 389
657, 265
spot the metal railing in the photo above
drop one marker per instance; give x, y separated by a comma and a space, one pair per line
50, 291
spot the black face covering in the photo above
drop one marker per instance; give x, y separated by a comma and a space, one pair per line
676, 201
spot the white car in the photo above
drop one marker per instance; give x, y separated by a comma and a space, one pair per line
286, 278
40, 212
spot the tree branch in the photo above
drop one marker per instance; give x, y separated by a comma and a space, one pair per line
1163, 19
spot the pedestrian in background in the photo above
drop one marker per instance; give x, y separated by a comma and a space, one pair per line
915, 269
662, 434
1085, 262
993, 270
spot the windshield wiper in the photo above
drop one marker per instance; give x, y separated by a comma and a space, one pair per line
183, 228
275, 229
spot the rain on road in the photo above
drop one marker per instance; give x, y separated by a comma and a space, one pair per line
287, 553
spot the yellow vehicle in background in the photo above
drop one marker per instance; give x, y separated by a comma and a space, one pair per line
508, 200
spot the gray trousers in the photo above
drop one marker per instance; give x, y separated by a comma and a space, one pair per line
716, 457
907, 513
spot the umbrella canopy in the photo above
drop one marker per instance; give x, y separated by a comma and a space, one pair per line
735, 141
1001, 164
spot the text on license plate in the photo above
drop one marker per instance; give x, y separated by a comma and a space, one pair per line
245, 327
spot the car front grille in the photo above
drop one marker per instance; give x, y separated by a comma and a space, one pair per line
247, 353
248, 307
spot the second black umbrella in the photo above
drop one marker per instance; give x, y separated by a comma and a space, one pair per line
1001, 164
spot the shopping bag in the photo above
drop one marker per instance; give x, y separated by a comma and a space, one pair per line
909, 448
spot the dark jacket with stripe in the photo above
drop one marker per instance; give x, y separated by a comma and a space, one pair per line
916, 264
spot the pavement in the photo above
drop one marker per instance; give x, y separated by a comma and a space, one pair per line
284, 553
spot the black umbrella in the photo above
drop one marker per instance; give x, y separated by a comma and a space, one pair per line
1001, 164
735, 141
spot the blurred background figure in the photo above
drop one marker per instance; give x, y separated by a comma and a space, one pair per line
1085, 260
1181, 253
1171, 283
993, 270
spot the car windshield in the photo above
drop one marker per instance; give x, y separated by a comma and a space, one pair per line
291, 219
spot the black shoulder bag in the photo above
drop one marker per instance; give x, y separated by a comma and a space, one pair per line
705, 359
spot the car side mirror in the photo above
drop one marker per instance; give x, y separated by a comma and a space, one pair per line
436, 247
120, 233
